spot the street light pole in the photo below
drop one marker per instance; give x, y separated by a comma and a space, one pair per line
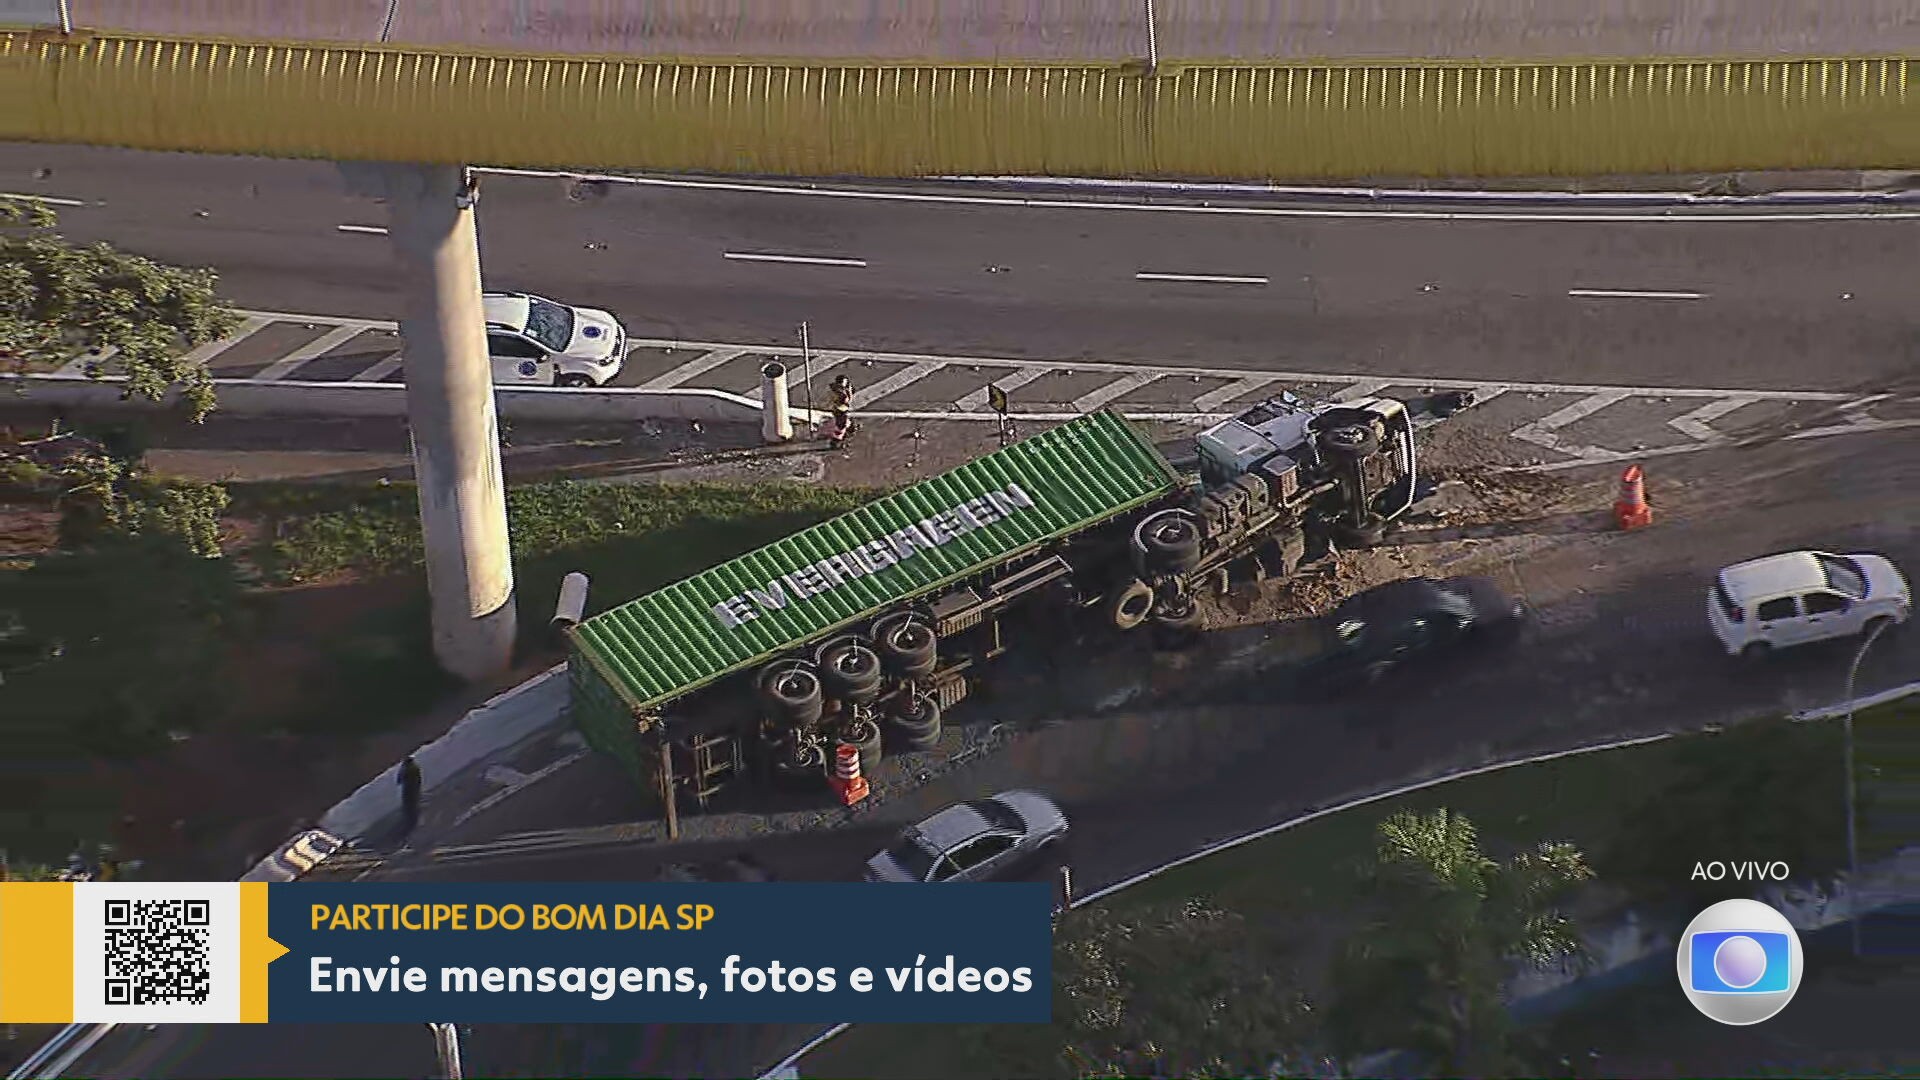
1853, 828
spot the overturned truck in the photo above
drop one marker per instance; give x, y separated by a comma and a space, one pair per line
867, 628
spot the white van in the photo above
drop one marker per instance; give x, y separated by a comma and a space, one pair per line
1798, 597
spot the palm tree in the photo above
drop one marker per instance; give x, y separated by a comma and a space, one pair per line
1444, 927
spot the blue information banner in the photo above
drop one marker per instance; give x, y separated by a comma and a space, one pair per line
661, 952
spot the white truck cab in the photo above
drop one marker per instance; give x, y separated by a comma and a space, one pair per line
1798, 597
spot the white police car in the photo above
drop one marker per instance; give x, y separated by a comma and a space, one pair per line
535, 341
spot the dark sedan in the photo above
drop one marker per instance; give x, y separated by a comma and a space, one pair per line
1407, 621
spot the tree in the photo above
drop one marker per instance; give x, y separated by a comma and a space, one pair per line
58, 300
1444, 927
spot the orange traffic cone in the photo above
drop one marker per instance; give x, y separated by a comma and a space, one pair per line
1631, 510
846, 774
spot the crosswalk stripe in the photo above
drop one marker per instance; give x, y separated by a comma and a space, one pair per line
318, 347
248, 328
699, 365
1541, 431
799, 372
1366, 388
1694, 424
898, 381
1113, 391
76, 368
978, 399
1233, 391
379, 370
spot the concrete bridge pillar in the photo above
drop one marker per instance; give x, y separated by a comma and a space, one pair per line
450, 408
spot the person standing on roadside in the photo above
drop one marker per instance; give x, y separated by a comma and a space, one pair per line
409, 794
840, 403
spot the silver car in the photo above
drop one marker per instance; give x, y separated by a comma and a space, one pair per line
977, 840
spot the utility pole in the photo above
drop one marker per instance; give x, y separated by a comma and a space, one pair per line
806, 370
1153, 41
1853, 826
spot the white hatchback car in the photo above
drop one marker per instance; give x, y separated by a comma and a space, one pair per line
535, 341
1801, 596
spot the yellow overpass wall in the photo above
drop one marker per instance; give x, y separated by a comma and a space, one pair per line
1190, 119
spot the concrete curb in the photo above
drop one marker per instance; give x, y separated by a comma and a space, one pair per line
1413, 195
287, 397
789, 1066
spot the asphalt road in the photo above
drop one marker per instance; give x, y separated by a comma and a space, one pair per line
1617, 649
1777, 304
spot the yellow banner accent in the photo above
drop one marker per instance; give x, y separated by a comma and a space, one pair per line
36, 952
1318, 121
257, 950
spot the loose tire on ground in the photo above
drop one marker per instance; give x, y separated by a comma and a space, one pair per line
1129, 605
915, 725
907, 647
1350, 441
792, 693
851, 672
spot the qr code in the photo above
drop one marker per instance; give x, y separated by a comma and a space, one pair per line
157, 952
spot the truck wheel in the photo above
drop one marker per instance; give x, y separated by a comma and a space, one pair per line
1179, 614
864, 736
1364, 535
907, 646
916, 724
798, 766
1170, 541
1129, 605
851, 672
1350, 441
792, 692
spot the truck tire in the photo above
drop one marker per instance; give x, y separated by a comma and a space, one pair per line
798, 766
915, 725
864, 736
1129, 605
1169, 542
1367, 534
851, 672
792, 692
1350, 441
908, 647
1177, 625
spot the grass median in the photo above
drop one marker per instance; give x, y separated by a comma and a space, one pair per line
1643, 815
308, 639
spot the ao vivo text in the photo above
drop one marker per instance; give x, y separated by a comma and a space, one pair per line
1745, 870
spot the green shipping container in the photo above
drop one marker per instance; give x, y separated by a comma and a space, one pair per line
661, 646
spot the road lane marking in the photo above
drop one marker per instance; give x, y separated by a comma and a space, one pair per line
50, 200
809, 260
380, 370
699, 365
978, 399
248, 327
372, 230
898, 381
1633, 294
1113, 391
1020, 202
1202, 279
1233, 391
1694, 424
1541, 432
318, 347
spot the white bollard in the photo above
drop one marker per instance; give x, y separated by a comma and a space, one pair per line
776, 423
573, 601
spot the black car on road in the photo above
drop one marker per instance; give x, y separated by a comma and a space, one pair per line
1407, 621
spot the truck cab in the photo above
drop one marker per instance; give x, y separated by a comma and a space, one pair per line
1348, 466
